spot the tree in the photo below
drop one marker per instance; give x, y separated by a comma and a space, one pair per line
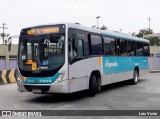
154, 41
133, 34
93, 26
4, 37
143, 32
103, 27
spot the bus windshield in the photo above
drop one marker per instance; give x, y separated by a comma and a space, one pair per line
41, 53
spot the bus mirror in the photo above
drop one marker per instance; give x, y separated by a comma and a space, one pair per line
75, 44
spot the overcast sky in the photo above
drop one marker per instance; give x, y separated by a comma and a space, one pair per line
128, 15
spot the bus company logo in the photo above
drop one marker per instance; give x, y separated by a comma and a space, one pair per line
110, 64
42, 67
45, 80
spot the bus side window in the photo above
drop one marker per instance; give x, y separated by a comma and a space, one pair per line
96, 47
78, 48
109, 46
139, 50
146, 49
123, 47
131, 48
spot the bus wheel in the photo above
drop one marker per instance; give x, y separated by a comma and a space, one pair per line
93, 86
135, 77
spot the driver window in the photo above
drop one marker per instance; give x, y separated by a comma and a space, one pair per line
76, 50
80, 48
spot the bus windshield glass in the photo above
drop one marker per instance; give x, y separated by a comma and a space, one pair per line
45, 52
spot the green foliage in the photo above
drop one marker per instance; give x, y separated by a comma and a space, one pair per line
103, 27
4, 37
143, 32
134, 34
93, 26
153, 41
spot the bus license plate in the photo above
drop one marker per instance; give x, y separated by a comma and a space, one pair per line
36, 91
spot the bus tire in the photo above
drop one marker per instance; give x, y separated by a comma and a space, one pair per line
134, 81
93, 86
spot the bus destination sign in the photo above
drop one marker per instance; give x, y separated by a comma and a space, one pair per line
38, 31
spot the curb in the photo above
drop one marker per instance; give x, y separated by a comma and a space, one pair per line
155, 71
7, 76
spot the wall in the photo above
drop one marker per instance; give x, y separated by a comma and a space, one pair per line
155, 63
6, 58
12, 64
154, 49
2, 65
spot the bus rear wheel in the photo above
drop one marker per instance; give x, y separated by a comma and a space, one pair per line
94, 85
134, 81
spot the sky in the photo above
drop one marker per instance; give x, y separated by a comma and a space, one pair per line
128, 15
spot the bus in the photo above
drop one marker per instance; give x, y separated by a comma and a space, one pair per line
68, 57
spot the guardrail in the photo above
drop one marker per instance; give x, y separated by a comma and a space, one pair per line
7, 76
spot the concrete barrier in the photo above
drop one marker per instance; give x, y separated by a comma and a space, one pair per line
1, 81
7, 76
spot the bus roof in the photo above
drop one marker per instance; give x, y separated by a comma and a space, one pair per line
124, 36
108, 33
103, 32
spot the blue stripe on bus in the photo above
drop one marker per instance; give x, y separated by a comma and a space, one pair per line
42, 80
122, 64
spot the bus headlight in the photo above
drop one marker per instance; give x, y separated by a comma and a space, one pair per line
60, 77
19, 77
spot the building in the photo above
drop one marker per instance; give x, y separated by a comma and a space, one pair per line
8, 60
155, 53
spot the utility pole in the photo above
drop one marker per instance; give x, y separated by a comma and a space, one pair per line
149, 19
97, 20
3, 35
154, 53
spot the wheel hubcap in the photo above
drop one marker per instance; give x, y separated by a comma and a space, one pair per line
136, 77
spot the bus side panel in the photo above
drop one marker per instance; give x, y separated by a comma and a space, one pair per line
116, 68
121, 68
145, 68
80, 71
142, 63
112, 69
106, 79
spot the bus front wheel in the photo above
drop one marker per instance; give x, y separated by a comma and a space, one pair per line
94, 86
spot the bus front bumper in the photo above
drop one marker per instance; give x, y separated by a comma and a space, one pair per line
60, 87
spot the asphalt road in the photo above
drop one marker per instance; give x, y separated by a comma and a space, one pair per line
120, 96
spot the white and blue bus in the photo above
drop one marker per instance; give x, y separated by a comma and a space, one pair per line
67, 57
